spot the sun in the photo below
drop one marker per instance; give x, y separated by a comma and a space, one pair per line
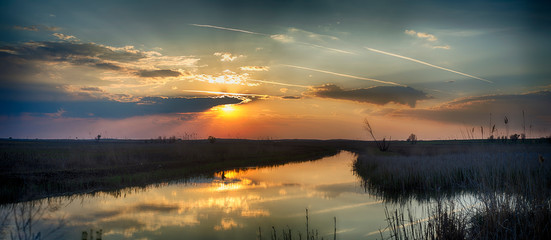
226, 111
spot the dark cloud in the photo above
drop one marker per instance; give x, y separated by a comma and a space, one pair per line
477, 110
291, 97
158, 73
72, 52
107, 66
113, 109
27, 28
24, 57
377, 95
91, 89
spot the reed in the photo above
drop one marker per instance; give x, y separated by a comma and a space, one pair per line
511, 169
287, 233
510, 183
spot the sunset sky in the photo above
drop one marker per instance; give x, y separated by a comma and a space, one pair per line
274, 69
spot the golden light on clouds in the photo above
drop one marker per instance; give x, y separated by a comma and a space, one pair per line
227, 77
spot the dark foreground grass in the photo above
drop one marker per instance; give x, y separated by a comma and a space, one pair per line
510, 182
36, 169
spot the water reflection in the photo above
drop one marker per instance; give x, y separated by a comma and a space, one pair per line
233, 205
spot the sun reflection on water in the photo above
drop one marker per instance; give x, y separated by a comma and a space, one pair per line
230, 181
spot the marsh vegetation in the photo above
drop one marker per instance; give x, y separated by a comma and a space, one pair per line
511, 185
473, 189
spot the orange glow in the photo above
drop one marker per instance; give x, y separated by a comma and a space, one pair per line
228, 108
227, 111
230, 181
227, 174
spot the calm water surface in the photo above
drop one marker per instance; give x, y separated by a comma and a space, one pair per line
231, 205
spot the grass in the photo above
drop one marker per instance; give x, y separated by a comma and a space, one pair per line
512, 188
35, 169
423, 171
287, 234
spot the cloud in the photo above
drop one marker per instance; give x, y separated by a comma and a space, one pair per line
282, 38
227, 77
73, 51
410, 32
51, 28
64, 37
107, 66
158, 73
91, 89
113, 109
446, 47
476, 110
227, 57
36, 28
27, 28
379, 95
427, 36
255, 68
125, 59
291, 97
432, 40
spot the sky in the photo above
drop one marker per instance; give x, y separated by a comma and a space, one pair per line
274, 69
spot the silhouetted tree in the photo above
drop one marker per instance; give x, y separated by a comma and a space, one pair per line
212, 139
514, 137
412, 138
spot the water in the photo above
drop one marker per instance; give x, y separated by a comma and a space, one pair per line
231, 205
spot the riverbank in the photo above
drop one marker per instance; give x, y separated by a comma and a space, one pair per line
32, 169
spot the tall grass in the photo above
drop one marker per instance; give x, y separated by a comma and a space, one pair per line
512, 188
512, 169
287, 233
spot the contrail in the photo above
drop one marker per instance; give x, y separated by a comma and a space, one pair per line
344, 75
327, 48
229, 29
278, 83
268, 35
428, 64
